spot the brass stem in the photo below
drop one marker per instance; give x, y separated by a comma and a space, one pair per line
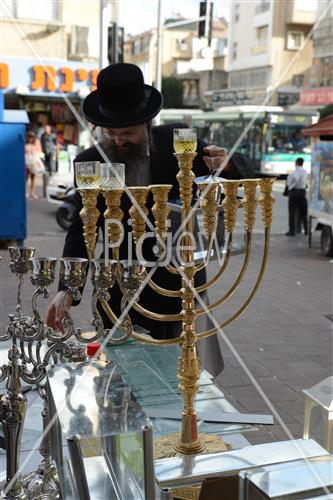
207, 333
113, 211
160, 208
89, 216
217, 276
138, 211
237, 281
208, 204
188, 364
172, 269
137, 336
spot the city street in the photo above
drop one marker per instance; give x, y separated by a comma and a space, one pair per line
136, 96
284, 338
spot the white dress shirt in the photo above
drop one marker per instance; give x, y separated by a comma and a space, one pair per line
297, 179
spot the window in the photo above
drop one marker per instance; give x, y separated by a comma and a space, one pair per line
263, 6
249, 78
79, 40
262, 34
306, 5
297, 80
236, 12
181, 45
44, 10
221, 46
295, 40
145, 44
136, 47
234, 50
7, 9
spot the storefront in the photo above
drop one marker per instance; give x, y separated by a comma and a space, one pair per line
320, 97
50, 91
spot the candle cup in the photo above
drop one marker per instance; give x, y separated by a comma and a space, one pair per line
19, 259
88, 174
103, 275
131, 274
185, 140
112, 176
42, 271
73, 272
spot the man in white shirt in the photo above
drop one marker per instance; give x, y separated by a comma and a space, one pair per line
298, 203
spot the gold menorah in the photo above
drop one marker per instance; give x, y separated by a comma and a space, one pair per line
129, 277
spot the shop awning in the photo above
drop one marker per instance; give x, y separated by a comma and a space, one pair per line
323, 127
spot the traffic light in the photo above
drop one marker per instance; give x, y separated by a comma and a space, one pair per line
205, 25
115, 43
202, 22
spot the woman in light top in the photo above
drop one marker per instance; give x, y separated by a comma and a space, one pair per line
33, 162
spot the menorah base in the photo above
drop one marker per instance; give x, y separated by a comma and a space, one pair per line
16, 493
43, 481
166, 446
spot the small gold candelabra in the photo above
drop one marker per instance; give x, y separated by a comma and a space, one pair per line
130, 275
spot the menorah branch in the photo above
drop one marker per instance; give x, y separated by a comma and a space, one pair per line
237, 281
89, 216
161, 290
134, 334
222, 269
156, 316
212, 331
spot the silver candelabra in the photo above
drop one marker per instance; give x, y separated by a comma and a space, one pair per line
33, 347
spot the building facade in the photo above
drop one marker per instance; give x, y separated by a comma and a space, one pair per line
320, 90
264, 62
50, 54
184, 55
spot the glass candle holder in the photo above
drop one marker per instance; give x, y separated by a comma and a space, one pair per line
185, 140
112, 176
88, 174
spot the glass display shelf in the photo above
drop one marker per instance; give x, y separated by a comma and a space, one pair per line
102, 425
151, 372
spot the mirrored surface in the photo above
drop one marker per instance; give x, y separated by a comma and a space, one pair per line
186, 470
281, 481
92, 400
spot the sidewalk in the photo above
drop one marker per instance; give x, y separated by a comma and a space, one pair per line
284, 338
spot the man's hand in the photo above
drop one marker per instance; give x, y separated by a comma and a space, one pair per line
216, 157
55, 311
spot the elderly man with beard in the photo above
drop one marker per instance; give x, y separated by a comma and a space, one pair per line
123, 106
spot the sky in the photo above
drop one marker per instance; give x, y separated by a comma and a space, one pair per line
137, 16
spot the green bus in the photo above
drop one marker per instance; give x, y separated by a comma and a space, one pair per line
269, 135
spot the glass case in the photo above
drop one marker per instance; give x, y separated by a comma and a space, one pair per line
104, 431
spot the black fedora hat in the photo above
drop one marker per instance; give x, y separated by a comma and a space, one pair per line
122, 99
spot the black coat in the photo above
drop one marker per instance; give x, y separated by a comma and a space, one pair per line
164, 168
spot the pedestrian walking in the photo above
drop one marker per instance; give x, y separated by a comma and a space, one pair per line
49, 147
298, 204
33, 163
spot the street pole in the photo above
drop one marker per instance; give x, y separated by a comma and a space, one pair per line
107, 12
158, 73
158, 83
207, 19
101, 34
